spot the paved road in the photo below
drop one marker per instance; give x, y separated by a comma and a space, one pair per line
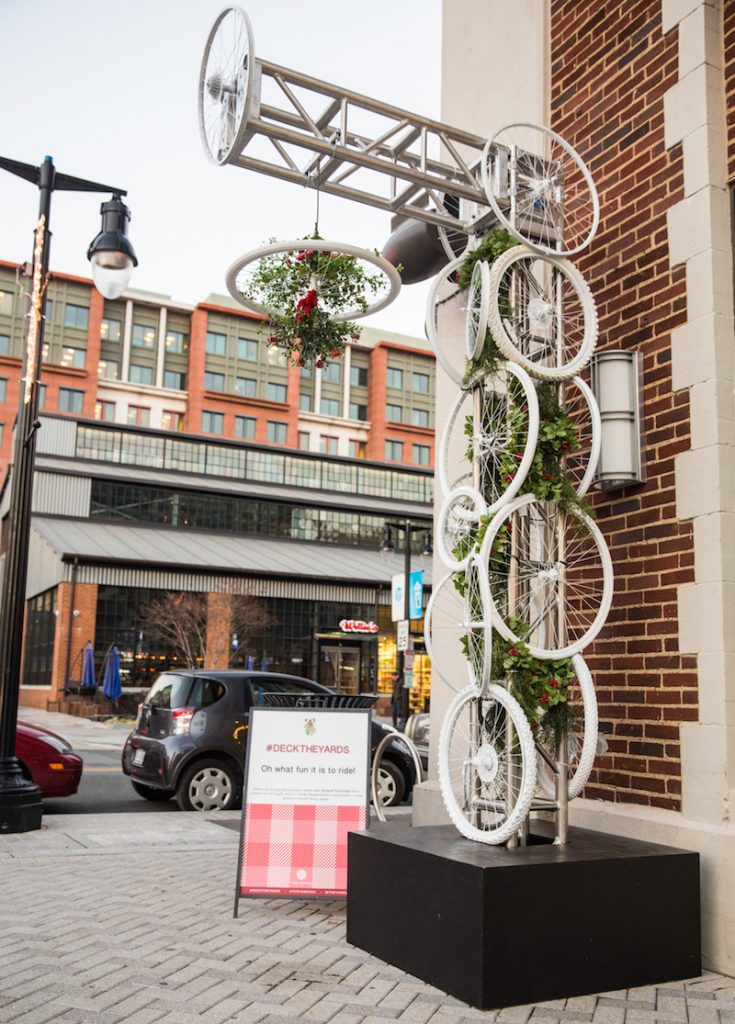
104, 789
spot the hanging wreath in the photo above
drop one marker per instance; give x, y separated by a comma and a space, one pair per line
311, 291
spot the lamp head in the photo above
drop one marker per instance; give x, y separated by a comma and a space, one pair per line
111, 254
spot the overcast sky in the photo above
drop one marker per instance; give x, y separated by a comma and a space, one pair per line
110, 92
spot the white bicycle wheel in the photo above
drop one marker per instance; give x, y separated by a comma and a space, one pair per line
494, 432
542, 314
487, 764
540, 189
582, 739
445, 321
478, 305
550, 577
579, 403
457, 525
455, 642
322, 261
227, 96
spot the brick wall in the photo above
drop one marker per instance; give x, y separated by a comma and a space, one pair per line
610, 68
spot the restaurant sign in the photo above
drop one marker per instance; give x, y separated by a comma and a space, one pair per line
357, 626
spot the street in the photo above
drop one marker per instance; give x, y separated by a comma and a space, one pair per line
104, 790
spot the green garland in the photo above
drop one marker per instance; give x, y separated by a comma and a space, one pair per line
296, 287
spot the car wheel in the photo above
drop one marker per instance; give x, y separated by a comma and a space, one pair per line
156, 795
208, 785
390, 785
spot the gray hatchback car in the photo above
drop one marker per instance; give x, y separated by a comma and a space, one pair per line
190, 737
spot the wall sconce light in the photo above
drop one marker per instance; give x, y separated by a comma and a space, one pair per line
616, 383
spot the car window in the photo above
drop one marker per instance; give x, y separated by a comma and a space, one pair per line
205, 692
169, 691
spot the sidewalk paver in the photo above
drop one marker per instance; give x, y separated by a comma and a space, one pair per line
108, 918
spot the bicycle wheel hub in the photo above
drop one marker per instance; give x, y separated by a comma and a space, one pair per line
486, 764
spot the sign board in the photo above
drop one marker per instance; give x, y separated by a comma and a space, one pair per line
402, 635
358, 626
307, 776
415, 595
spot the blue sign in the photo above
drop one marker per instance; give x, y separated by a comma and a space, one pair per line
415, 594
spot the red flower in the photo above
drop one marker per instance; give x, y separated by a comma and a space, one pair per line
335, 353
514, 652
320, 363
544, 698
548, 476
554, 683
300, 256
566, 445
509, 477
534, 725
519, 456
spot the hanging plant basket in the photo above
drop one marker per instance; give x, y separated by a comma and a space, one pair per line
311, 290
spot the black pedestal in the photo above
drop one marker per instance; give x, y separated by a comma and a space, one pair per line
498, 927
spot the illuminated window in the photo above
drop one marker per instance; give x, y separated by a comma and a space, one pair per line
172, 421
144, 337
110, 330
105, 411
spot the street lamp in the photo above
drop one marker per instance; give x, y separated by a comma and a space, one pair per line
388, 547
112, 259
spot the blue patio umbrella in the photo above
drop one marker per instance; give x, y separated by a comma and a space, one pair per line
112, 684
88, 680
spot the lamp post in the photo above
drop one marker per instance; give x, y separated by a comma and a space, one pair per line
387, 547
113, 259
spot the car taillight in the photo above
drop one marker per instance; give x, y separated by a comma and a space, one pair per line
182, 720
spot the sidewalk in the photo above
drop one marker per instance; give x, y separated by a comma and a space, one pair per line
108, 918
82, 733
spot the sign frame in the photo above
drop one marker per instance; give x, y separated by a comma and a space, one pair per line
257, 715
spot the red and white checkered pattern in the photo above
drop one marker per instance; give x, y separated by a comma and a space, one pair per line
297, 850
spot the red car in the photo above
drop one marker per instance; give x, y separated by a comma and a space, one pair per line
48, 760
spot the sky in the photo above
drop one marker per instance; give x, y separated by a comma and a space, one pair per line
110, 92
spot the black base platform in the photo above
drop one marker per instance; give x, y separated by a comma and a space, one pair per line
497, 927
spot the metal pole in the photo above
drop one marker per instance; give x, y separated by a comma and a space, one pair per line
20, 800
406, 615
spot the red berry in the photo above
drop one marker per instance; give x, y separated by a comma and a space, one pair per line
544, 698
513, 652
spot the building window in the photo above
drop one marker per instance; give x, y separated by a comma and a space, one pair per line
246, 387
71, 400
331, 373
304, 440
394, 451
175, 380
39, 645
2, 433
247, 348
212, 422
76, 316
420, 417
357, 449
276, 356
49, 312
358, 411
328, 445
104, 411
216, 344
394, 377
3, 388
108, 369
172, 420
276, 392
139, 416
214, 381
176, 342
421, 454
110, 330
358, 376
245, 428
329, 407
421, 383
304, 402
394, 413
74, 357
6, 303
276, 432
41, 396
140, 374
4, 344
144, 337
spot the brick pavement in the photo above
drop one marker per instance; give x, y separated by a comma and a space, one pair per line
110, 918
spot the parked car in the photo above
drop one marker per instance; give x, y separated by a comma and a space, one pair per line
189, 739
48, 760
